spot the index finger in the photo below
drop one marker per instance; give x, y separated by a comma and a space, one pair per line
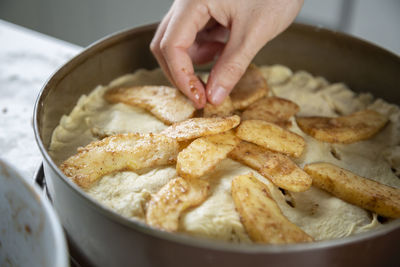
187, 20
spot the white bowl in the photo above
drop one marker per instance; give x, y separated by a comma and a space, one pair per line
30, 233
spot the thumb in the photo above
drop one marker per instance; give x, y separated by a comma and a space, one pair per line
230, 66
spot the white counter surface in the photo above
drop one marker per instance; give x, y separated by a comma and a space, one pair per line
27, 60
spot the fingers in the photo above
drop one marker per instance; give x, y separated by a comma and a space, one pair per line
216, 33
187, 18
232, 63
209, 43
205, 52
155, 45
251, 24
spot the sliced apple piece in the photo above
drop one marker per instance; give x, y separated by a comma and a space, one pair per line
166, 103
222, 110
175, 197
204, 153
357, 190
197, 127
348, 129
278, 168
261, 216
130, 151
251, 87
271, 136
271, 109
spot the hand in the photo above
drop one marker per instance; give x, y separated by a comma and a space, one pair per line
196, 31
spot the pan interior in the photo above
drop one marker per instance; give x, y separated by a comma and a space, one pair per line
337, 57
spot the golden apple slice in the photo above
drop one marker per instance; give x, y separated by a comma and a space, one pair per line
357, 190
271, 136
197, 127
261, 216
223, 110
346, 129
166, 103
251, 87
271, 109
204, 153
130, 151
175, 197
278, 168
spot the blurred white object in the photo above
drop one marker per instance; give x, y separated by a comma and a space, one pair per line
30, 233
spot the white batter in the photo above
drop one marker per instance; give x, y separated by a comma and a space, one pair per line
318, 213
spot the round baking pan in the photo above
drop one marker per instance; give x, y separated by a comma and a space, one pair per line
104, 238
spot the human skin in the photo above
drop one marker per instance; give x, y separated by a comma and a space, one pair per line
230, 31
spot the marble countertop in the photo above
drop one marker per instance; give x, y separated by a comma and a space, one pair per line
27, 60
